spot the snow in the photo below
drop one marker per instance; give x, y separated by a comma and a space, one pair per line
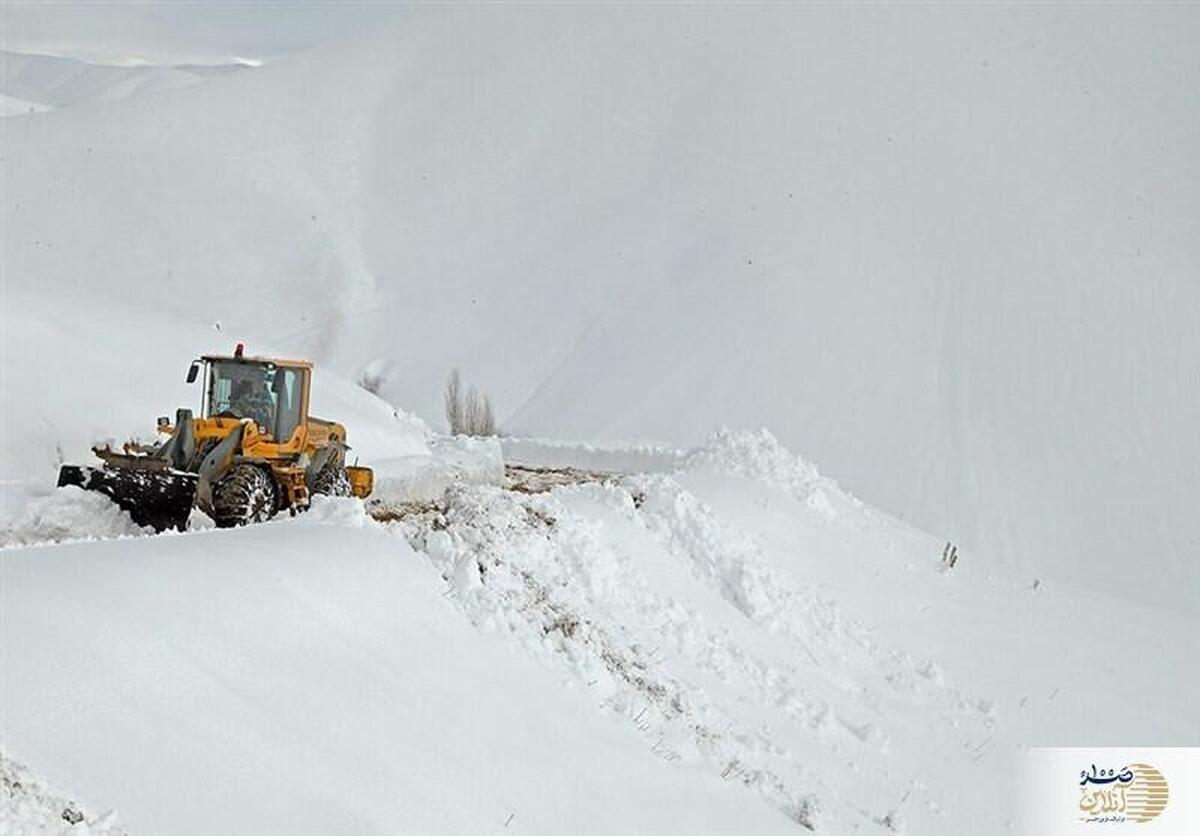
947, 253
67, 370
66, 514
12, 106
451, 461
698, 650
310, 678
28, 806
804, 652
47, 81
623, 457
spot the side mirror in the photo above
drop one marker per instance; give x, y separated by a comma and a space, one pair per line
192, 372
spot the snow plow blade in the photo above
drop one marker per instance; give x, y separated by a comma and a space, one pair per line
158, 497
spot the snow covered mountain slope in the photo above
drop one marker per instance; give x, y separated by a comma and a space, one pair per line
949, 253
311, 679
50, 81
731, 646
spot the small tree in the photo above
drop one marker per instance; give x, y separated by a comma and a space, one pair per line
454, 403
487, 424
473, 412
470, 414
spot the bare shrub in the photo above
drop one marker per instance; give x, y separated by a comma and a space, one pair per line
488, 418
473, 410
469, 414
454, 403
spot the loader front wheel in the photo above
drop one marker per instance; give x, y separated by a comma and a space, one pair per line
332, 481
246, 494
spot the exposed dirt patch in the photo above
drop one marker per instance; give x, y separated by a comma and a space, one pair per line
430, 513
524, 479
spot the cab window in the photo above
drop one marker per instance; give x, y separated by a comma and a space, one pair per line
288, 389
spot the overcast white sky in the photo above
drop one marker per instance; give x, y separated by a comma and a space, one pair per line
161, 31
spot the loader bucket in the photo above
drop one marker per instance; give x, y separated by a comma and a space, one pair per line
158, 497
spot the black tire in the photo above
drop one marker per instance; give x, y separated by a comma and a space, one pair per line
332, 481
246, 494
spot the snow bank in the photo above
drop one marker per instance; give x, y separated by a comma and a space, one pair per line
675, 622
618, 457
820, 654
69, 513
759, 456
710, 637
452, 460
311, 677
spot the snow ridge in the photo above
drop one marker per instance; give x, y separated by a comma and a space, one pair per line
675, 622
532, 567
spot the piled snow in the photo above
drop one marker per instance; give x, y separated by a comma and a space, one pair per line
747, 655
29, 808
346, 512
536, 570
828, 662
451, 461
66, 514
622, 457
721, 556
311, 676
760, 456
757, 456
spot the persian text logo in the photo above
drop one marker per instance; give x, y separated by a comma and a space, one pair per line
1137, 793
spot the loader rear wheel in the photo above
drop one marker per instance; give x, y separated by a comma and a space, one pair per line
332, 481
246, 494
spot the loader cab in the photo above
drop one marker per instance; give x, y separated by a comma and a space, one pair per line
272, 393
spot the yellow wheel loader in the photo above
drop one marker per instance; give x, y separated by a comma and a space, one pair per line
253, 451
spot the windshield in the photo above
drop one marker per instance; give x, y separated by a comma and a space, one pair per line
266, 394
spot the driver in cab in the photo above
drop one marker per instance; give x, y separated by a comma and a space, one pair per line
250, 399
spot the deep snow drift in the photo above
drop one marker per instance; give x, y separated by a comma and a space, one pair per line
733, 645
949, 253
310, 679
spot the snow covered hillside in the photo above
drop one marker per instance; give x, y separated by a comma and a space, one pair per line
34, 83
310, 679
948, 253
951, 253
731, 645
